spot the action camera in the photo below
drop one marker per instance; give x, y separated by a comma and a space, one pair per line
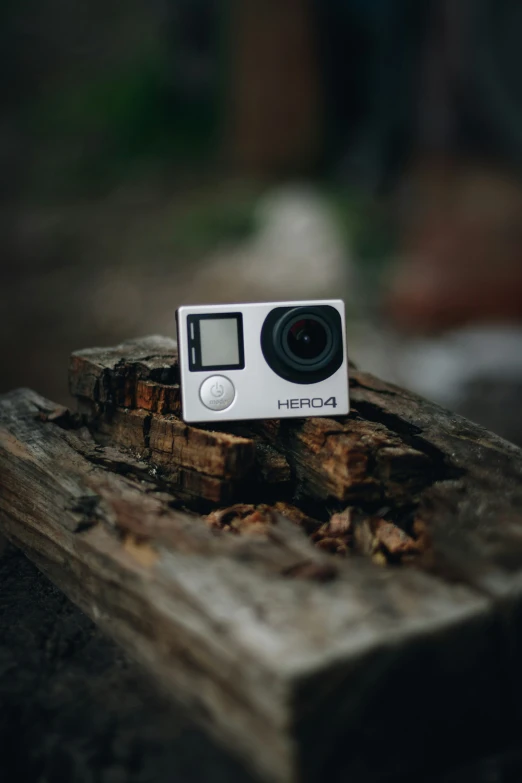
262, 361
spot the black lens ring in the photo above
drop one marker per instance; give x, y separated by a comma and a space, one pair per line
281, 332
284, 365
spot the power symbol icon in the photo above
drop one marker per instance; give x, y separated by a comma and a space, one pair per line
217, 393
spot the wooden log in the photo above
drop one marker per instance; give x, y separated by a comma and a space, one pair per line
119, 375
274, 618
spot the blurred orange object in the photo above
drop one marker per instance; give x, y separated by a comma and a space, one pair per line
461, 259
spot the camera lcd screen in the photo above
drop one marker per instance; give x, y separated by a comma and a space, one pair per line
215, 341
219, 342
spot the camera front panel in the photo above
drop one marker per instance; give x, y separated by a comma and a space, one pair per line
257, 361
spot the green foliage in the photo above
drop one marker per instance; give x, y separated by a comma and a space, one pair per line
226, 217
91, 133
365, 226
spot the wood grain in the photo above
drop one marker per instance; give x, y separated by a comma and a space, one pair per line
312, 589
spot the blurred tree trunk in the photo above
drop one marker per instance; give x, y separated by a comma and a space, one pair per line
274, 112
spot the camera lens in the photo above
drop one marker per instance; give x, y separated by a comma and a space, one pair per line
303, 344
306, 339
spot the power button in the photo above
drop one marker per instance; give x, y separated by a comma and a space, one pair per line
217, 392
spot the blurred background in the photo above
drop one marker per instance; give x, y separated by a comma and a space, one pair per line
184, 151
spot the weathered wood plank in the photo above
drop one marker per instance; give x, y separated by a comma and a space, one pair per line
340, 461
117, 375
303, 661
474, 508
211, 618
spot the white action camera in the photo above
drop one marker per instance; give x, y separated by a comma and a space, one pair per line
262, 361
